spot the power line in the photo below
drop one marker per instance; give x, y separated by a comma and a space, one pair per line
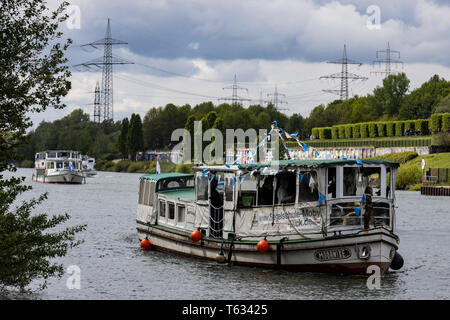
344, 75
276, 101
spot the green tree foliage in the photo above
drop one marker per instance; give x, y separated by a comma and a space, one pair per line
443, 106
135, 138
423, 101
122, 142
389, 98
33, 77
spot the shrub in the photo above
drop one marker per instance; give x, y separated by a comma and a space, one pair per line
26, 164
135, 167
400, 157
334, 132
436, 122
348, 131
381, 129
399, 128
341, 131
442, 139
315, 132
184, 168
390, 129
408, 175
445, 122
325, 133
364, 130
356, 131
121, 166
422, 125
372, 127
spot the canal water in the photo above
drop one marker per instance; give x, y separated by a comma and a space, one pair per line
112, 265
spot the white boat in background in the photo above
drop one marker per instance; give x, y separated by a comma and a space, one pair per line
307, 215
58, 166
88, 166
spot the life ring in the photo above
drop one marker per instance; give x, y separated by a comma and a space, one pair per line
344, 222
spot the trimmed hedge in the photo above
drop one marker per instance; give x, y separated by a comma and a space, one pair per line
348, 131
409, 125
356, 131
364, 130
436, 122
334, 132
315, 132
445, 122
381, 129
422, 125
373, 129
399, 128
390, 129
377, 142
341, 131
325, 133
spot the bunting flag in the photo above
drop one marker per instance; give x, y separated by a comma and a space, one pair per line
243, 178
301, 176
322, 198
357, 211
204, 172
234, 181
363, 199
305, 147
359, 162
344, 159
212, 177
70, 166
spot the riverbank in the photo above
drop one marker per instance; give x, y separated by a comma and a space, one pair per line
141, 166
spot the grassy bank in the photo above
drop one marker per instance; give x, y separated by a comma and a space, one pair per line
409, 176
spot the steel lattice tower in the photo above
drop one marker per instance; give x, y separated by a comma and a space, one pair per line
235, 99
344, 75
387, 60
277, 101
106, 64
97, 104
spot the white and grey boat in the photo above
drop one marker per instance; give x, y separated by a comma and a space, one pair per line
88, 166
58, 166
316, 215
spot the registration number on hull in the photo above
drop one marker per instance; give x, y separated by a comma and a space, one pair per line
332, 254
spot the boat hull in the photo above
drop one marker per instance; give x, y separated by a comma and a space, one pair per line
348, 254
69, 178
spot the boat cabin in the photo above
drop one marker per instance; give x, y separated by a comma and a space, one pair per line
289, 199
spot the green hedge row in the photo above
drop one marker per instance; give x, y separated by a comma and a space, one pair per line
377, 143
437, 122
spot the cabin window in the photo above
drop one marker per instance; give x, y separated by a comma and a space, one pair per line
373, 177
63, 154
146, 191
171, 210
353, 182
181, 212
229, 187
247, 193
202, 187
50, 165
331, 187
59, 165
286, 187
42, 163
162, 208
388, 183
265, 191
308, 186
52, 155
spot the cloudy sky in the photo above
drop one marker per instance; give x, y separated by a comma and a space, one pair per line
188, 51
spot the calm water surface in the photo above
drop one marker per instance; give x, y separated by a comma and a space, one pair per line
114, 267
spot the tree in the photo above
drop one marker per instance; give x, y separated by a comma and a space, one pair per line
123, 138
391, 95
33, 76
135, 137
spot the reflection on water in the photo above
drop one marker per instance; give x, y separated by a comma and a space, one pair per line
113, 266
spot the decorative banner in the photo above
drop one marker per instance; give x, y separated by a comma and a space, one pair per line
234, 181
212, 177
344, 159
359, 162
357, 211
321, 198
305, 147
204, 172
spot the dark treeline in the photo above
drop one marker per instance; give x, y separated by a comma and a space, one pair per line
391, 101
